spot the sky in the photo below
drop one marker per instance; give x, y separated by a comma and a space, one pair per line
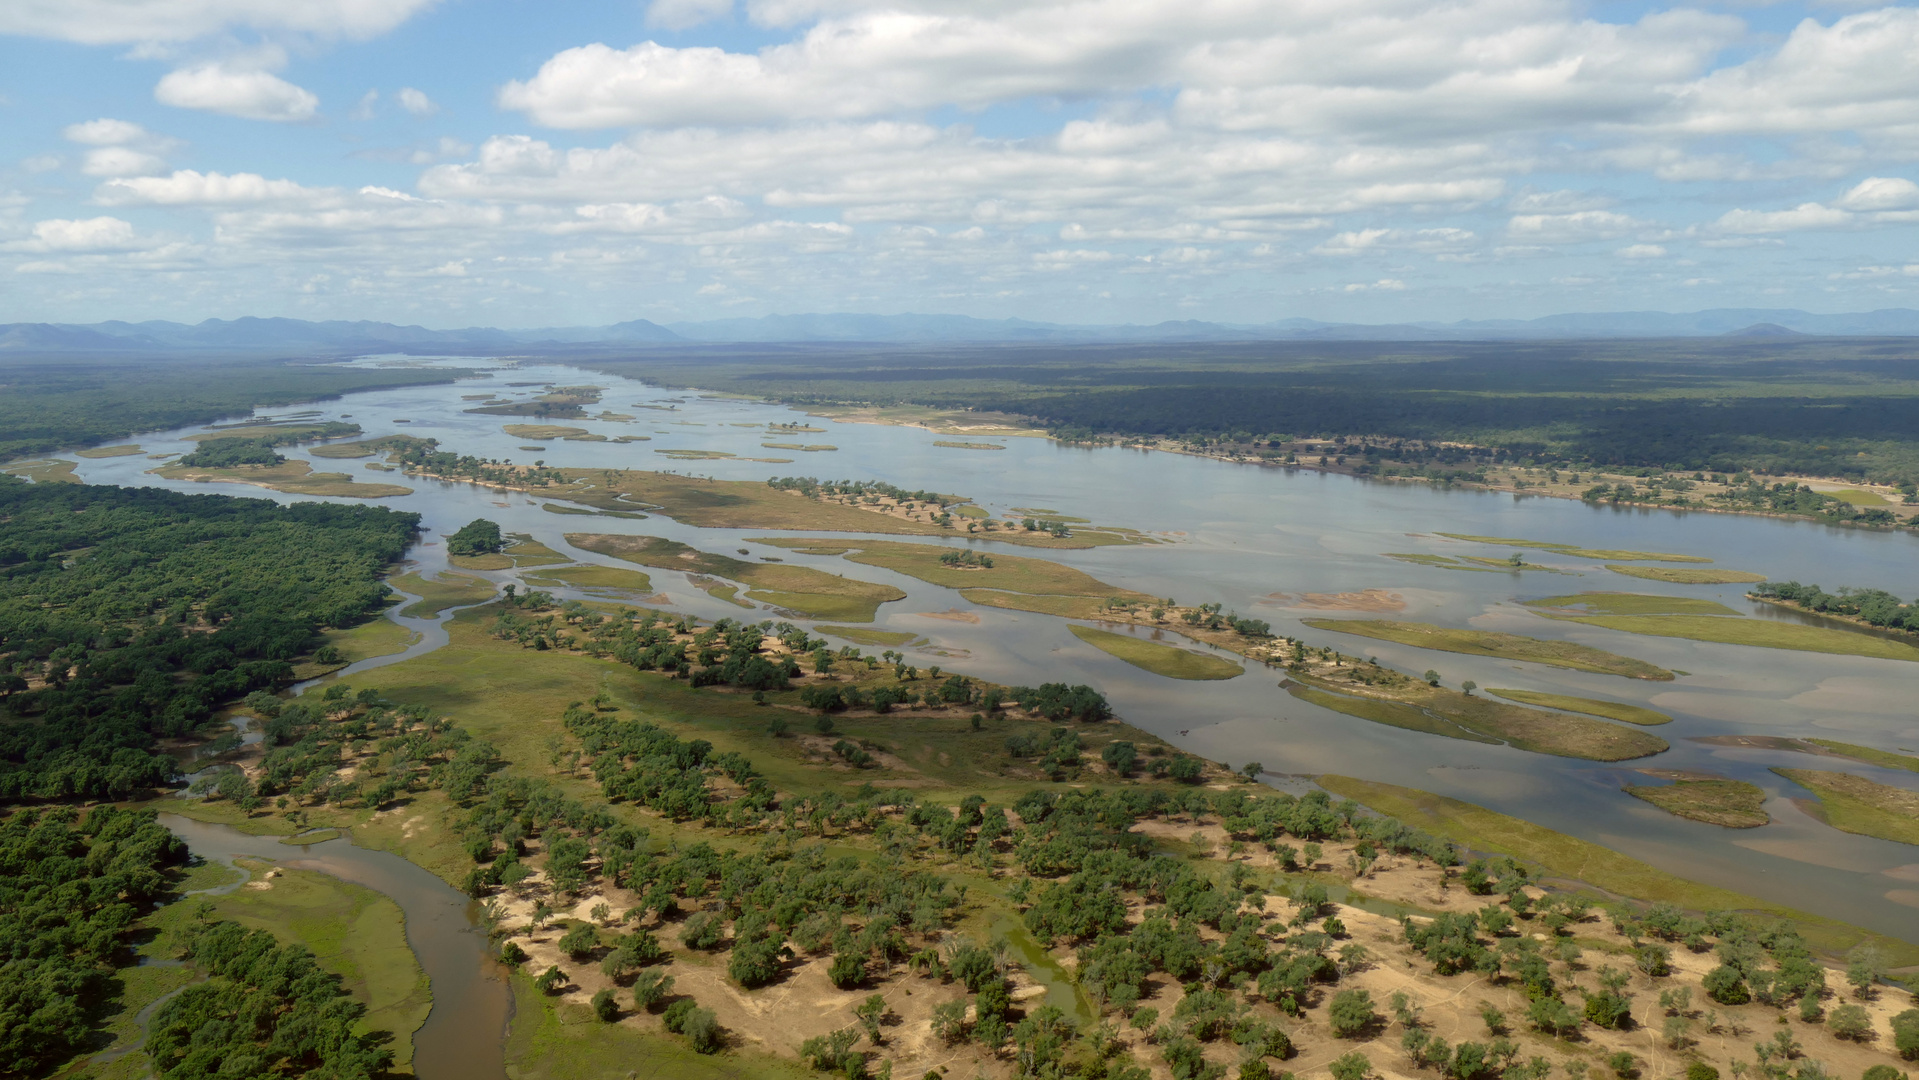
559, 163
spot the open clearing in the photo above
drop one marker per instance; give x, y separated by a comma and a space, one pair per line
1733, 804
1611, 710
612, 578
1158, 658
442, 591
866, 635
1855, 804
1687, 576
813, 593
523, 552
1564, 654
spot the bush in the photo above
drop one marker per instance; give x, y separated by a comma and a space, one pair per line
702, 1031
1351, 1066
512, 955
1883, 1072
847, 971
1850, 1022
1905, 1034
650, 988
1608, 1010
605, 1007
1699, 1070
580, 941
702, 931
476, 537
1725, 985
1352, 1013
1623, 1065
675, 1015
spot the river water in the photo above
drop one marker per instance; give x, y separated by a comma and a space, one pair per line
1240, 533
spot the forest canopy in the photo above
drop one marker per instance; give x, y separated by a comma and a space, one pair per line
128, 614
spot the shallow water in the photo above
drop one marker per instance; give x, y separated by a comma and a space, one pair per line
1242, 533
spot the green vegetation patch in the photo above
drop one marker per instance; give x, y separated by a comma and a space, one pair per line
1857, 805
1856, 497
1441, 561
866, 635
542, 431
956, 445
1577, 552
1585, 861
555, 508
1733, 804
1611, 710
1005, 574
1612, 603
695, 455
44, 472
294, 477
593, 577
1387, 697
123, 450
1885, 758
442, 591
1758, 633
1685, 576
814, 593
553, 1039
1158, 658
1564, 654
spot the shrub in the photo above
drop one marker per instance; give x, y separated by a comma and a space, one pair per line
605, 1007
675, 1015
847, 971
1623, 1065
1352, 1013
512, 954
1905, 1034
1725, 985
1351, 1066
702, 931
1883, 1072
702, 1031
1608, 1010
550, 979
1699, 1070
650, 988
1850, 1022
579, 942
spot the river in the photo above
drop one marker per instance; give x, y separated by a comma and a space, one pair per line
1241, 533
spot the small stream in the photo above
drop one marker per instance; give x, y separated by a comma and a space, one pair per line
464, 1036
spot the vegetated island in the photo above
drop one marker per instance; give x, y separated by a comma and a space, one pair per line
1158, 657
1855, 804
123, 450
1564, 654
802, 589
1715, 800
1019, 582
1873, 608
1687, 575
1575, 551
1611, 710
1371, 691
442, 591
479, 545
1703, 620
253, 459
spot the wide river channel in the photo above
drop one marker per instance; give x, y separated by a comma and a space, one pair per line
1238, 535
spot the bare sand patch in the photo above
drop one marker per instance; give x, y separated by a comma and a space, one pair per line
953, 614
1363, 600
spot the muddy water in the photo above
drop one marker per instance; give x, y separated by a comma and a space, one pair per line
463, 1037
1239, 534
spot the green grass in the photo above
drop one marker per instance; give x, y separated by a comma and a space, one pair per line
1564, 654
813, 593
378, 636
1758, 633
542, 431
555, 508
1387, 697
592, 577
1066, 607
551, 1039
1732, 804
1612, 710
54, 471
1577, 552
295, 477
442, 591
524, 551
1160, 659
696, 455
1683, 576
123, 450
1597, 866
954, 445
1867, 754
1857, 805
1855, 497
866, 635
1441, 561
1612, 603
1013, 581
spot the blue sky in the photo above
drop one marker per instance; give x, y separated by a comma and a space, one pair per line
512, 163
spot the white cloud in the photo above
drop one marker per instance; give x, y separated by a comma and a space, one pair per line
363, 110
120, 161
1573, 228
1881, 193
88, 235
416, 102
248, 94
189, 188
1804, 216
1641, 251
106, 132
118, 22
1382, 285
686, 14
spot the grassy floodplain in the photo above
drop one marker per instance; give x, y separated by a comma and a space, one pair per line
543, 431
123, 450
811, 592
1612, 603
1585, 861
54, 471
442, 591
1577, 552
1160, 659
1758, 633
866, 635
1443, 562
1679, 575
295, 477
523, 552
1564, 654
592, 577
1385, 696
1867, 754
1013, 581
1733, 804
1611, 710
1855, 804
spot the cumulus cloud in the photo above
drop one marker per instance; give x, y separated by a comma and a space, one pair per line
248, 94
686, 14
1881, 193
1804, 216
1573, 228
416, 102
189, 188
118, 22
61, 235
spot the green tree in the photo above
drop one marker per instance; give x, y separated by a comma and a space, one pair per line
1351, 1013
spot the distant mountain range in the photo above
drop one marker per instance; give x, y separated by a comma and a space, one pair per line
298, 336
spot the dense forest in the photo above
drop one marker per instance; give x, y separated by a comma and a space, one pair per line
1842, 408
52, 405
129, 614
